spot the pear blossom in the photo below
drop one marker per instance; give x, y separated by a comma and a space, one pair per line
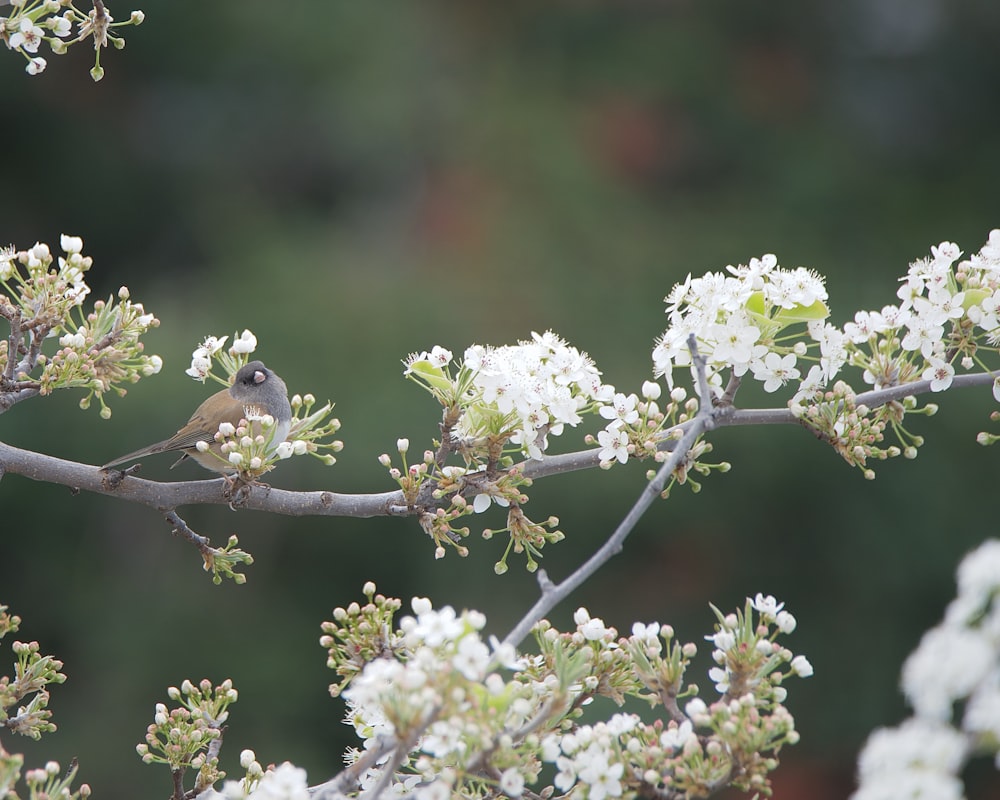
27, 37
939, 373
674, 738
622, 407
614, 444
775, 370
246, 343
767, 606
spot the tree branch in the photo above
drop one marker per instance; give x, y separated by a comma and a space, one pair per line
706, 419
166, 496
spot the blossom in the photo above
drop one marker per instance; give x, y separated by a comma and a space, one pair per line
592, 628
651, 390
199, 368
695, 707
76, 341
285, 782
674, 738
734, 341
201, 358
922, 334
27, 37
213, 344
246, 343
36, 66
723, 639
648, 636
71, 244
802, 667
614, 444
484, 500
623, 407
472, 657
796, 287
60, 26
786, 622
866, 325
767, 606
720, 678
918, 759
832, 347
511, 782
595, 769
775, 370
431, 627
982, 711
525, 392
939, 373
979, 574
947, 666
437, 358
153, 365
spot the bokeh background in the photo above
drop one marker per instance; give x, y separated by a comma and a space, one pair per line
356, 181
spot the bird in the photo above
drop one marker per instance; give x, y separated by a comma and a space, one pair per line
256, 391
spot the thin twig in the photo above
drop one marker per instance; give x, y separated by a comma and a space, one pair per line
552, 595
180, 527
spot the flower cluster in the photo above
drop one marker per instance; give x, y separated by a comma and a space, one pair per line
181, 737
24, 699
24, 710
98, 352
738, 321
498, 402
253, 449
487, 486
48, 781
733, 741
230, 359
32, 22
359, 634
947, 317
512, 395
470, 718
956, 663
947, 314
505, 401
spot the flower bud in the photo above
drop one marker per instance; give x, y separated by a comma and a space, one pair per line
651, 390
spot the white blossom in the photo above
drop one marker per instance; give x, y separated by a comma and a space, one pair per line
947, 665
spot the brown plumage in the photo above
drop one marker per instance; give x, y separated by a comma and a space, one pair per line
255, 391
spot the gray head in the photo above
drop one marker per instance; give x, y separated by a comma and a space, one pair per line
256, 385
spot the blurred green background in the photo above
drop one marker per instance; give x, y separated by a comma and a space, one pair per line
356, 181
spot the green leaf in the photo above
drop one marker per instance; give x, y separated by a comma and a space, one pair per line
434, 377
800, 313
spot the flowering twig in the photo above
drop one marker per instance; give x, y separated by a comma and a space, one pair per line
553, 594
29, 24
217, 560
98, 352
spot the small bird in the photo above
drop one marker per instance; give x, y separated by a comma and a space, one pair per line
255, 391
